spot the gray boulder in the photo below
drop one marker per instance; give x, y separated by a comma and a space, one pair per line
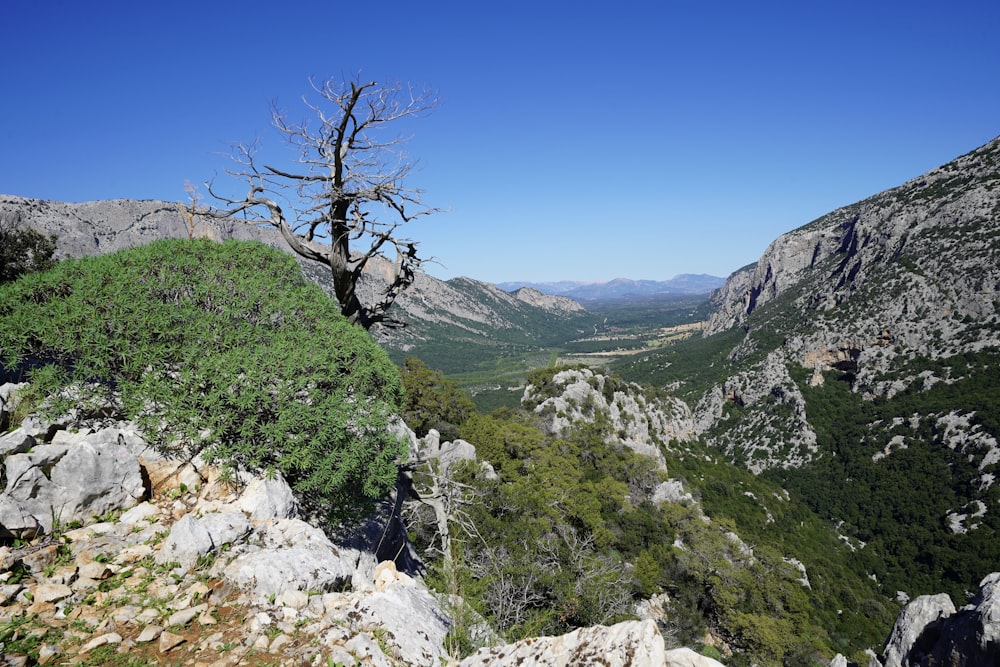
912, 622
446, 453
414, 623
191, 538
268, 498
67, 482
188, 540
969, 636
628, 644
17, 441
293, 555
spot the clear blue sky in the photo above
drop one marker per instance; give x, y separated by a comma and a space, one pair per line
574, 140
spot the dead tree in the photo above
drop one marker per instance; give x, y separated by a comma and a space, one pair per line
345, 188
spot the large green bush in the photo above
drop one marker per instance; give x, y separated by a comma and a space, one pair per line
222, 349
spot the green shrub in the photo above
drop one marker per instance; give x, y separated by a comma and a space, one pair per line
222, 349
22, 250
432, 401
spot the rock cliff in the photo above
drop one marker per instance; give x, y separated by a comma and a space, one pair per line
912, 273
914, 270
930, 631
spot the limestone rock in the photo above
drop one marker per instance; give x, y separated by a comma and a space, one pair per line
641, 423
446, 453
69, 482
931, 632
17, 441
268, 498
295, 556
413, 622
628, 644
187, 542
915, 617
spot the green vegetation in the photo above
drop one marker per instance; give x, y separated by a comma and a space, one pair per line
432, 402
222, 349
897, 504
23, 250
565, 535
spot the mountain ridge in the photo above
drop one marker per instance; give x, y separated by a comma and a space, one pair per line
684, 284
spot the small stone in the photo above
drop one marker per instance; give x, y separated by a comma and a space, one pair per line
46, 652
340, 655
185, 616
125, 614
94, 570
149, 633
261, 643
279, 643
333, 602
182, 602
51, 592
38, 560
8, 592
108, 638
84, 584
148, 616
133, 554
259, 622
293, 598
139, 513
38, 608
197, 591
169, 640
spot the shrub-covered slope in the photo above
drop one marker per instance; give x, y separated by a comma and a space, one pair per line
855, 365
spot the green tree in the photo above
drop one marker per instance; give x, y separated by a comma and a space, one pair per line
223, 349
432, 401
22, 250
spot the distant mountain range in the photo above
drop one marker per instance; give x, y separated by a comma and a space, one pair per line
623, 288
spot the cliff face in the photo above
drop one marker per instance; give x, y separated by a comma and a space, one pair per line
880, 293
911, 271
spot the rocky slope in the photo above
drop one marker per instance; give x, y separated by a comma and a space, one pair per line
911, 271
856, 364
187, 567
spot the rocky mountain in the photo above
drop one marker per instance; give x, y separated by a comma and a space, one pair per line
624, 288
914, 270
856, 364
481, 318
909, 274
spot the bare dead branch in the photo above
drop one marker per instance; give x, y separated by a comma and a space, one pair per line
345, 188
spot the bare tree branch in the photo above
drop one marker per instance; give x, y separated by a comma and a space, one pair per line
345, 188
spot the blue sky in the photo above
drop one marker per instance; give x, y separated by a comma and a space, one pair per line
574, 140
